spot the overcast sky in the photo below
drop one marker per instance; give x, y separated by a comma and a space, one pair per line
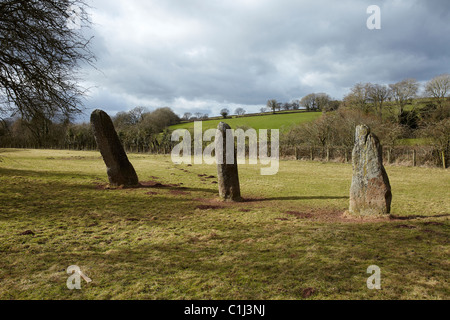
203, 55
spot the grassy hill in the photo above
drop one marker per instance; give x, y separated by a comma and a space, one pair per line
280, 121
283, 120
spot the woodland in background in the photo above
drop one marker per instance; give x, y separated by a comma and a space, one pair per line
413, 131
393, 112
424, 140
139, 131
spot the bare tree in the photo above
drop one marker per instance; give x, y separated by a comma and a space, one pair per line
160, 118
439, 87
198, 115
272, 105
378, 94
186, 116
303, 134
333, 105
240, 111
287, 106
322, 101
122, 120
309, 102
324, 132
137, 114
315, 101
402, 92
358, 97
224, 113
389, 134
439, 133
40, 57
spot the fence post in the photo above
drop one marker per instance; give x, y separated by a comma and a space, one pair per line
414, 157
444, 164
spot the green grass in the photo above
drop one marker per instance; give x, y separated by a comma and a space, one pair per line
282, 121
414, 142
180, 242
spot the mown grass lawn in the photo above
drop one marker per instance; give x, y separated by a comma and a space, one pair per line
175, 240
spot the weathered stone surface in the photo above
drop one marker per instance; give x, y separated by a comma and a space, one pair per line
228, 177
119, 169
370, 192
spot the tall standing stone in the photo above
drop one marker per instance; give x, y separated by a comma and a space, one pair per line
119, 169
227, 172
370, 192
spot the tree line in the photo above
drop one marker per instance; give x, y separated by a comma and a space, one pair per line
394, 112
138, 129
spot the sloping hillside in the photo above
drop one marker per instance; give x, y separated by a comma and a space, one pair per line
280, 121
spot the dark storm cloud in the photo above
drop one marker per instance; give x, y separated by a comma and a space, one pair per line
204, 55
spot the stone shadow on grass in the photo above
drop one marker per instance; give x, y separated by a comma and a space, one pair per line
98, 183
295, 198
414, 217
175, 187
44, 173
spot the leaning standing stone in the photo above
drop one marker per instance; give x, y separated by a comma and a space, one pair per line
370, 192
119, 169
227, 172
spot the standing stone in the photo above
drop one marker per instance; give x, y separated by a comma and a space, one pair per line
370, 192
227, 173
119, 169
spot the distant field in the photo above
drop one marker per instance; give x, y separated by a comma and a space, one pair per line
176, 240
414, 142
283, 120
280, 121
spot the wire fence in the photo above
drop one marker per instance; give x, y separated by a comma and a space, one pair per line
420, 156
427, 156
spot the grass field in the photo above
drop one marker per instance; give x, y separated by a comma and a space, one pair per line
414, 142
280, 121
175, 240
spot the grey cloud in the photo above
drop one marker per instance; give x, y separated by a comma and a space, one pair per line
246, 52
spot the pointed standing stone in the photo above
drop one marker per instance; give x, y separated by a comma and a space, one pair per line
370, 192
227, 173
119, 169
